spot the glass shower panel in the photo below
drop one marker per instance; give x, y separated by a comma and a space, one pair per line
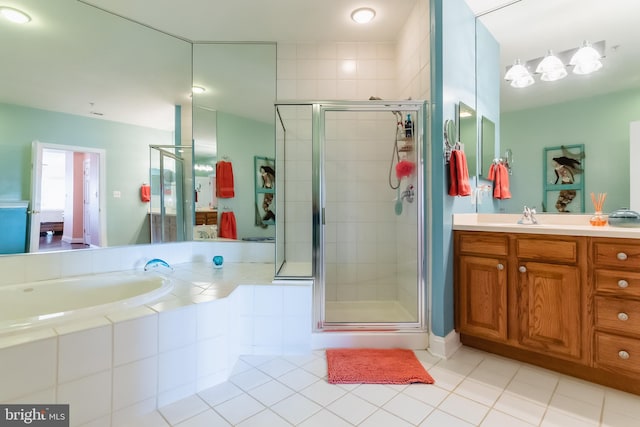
371, 233
166, 210
294, 242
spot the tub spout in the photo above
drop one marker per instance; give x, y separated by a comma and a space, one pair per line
155, 263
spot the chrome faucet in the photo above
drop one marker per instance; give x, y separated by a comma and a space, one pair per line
528, 216
156, 263
408, 194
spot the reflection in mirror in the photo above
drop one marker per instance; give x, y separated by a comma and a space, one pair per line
232, 123
595, 110
468, 135
81, 77
487, 145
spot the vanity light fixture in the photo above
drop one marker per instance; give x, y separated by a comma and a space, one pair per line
363, 15
14, 15
519, 75
586, 60
551, 68
198, 90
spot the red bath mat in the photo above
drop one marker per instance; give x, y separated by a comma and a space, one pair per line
375, 366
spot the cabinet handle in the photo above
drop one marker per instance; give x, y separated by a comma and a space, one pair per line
624, 355
500, 267
621, 256
522, 269
623, 316
623, 283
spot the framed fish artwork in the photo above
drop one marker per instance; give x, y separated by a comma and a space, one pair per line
563, 186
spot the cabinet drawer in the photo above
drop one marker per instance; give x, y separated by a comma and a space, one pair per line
616, 254
619, 315
547, 249
621, 282
483, 243
617, 352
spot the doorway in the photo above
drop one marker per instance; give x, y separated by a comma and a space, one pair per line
67, 209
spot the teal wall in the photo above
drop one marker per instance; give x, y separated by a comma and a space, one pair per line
453, 80
240, 139
127, 161
601, 123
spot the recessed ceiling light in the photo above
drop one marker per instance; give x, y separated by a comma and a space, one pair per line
14, 15
198, 89
363, 15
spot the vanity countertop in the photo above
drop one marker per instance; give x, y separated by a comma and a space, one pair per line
572, 225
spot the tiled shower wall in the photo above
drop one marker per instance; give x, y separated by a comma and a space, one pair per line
352, 71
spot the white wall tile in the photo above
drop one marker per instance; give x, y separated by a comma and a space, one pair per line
213, 319
77, 263
89, 398
177, 328
130, 415
27, 368
177, 368
14, 269
84, 353
286, 51
268, 300
135, 382
212, 357
135, 339
43, 266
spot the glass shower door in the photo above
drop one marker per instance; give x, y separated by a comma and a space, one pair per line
371, 231
166, 207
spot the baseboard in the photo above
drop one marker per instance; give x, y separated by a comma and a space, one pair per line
444, 346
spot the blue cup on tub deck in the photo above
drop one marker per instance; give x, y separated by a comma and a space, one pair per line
217, 261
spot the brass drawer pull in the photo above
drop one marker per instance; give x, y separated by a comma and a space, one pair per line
624, 355
623, 316
621, 256
500, 267
623, 283
522, 269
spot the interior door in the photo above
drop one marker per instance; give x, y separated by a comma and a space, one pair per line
36, 196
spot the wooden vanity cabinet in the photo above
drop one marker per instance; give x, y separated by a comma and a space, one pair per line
551, 295
482, 284
206, 217
526, 291
566, 303
616, 279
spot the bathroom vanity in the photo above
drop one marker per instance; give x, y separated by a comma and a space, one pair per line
561, 294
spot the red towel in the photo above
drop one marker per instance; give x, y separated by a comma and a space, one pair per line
227, 227
458, 174
224, 180
499, 174
145, 193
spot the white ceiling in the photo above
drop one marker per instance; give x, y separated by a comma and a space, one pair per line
260, 20
73, 55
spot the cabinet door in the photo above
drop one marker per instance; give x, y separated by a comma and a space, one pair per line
482, 297
549, 308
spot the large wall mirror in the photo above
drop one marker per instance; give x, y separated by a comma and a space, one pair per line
594, 110
232, 123
81, 80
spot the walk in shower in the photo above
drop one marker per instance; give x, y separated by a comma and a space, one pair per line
350, 187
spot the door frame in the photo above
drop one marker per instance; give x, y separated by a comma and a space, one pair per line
37, 148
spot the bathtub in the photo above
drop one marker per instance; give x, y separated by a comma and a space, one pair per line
29, 305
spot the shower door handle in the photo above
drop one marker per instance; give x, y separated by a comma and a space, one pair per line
322, 217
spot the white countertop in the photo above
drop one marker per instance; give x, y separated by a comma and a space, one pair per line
568, 225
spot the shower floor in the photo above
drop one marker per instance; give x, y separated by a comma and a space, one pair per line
367, 312
296, 269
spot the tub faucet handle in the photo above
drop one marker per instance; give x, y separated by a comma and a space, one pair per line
156, 263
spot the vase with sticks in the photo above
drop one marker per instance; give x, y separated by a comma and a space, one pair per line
598, 219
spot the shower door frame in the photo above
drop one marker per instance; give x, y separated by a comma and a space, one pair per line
318, 212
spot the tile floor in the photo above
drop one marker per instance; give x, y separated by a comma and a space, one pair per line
472, 388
